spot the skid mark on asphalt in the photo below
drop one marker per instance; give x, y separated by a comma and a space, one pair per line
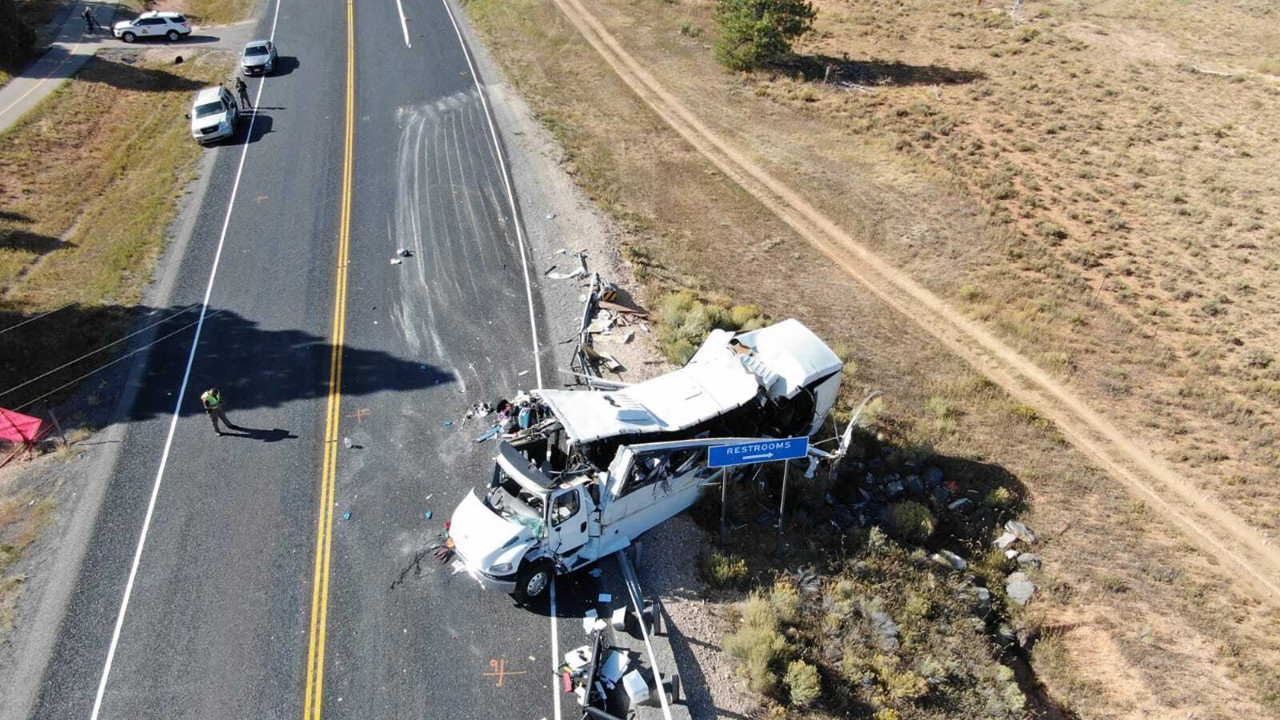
495, 216
449, 212
458, 180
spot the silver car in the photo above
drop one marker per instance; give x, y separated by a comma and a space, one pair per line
259, 58
214, 115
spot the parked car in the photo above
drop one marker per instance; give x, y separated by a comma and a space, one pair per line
259, 58
585, 472
170, 25
214, 115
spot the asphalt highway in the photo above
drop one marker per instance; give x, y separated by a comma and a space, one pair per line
285, 571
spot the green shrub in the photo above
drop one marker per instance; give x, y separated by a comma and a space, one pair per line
756, 32
684, 321
740, 315
785, 600
912, 521
1000, 498
688, 29
760, 651
721, 570
758, 611
899, 683
1032, 417
804, 683
844, 588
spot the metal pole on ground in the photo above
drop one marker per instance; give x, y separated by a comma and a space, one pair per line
724, 532
58, 425
782, 509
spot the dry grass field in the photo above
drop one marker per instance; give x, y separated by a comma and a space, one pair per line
1089, 180
84, 214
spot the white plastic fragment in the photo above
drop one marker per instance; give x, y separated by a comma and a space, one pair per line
578, 657
635, 686
614, 666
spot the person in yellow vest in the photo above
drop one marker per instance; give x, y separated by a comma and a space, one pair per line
216, 409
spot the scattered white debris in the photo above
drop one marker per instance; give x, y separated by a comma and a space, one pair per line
950, 559
578, 657
1004, 541
614, 666
1020, 588
1022, 531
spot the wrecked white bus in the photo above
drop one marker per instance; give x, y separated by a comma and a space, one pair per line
590, 471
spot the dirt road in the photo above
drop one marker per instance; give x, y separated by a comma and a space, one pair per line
1207, 524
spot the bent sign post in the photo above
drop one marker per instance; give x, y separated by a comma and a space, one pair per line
749, 453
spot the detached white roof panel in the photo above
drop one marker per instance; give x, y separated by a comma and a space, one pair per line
794, 353
670, 402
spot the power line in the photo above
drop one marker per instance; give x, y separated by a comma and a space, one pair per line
93, 352
46, 314
100, 368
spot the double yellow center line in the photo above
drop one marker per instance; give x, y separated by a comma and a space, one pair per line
312, 703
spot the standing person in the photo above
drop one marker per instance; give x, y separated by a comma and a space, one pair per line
243, 91
89, 21
216, 410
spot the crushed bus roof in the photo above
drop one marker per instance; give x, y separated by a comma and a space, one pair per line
778, 360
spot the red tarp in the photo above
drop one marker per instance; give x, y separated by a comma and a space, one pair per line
19, 428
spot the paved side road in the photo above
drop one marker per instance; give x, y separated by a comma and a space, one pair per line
72, 47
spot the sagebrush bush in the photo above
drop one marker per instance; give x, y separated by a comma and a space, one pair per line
912, 520
900, 683
785, 600
684, 321
722, 570
757, 611
760, 652
803, 682
999, 497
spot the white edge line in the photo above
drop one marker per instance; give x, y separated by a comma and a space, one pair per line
177, 408
630, 577
528, 288
506, 181
555, 650
404, 25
